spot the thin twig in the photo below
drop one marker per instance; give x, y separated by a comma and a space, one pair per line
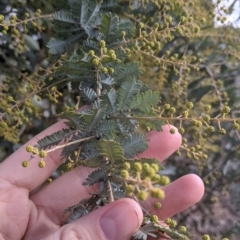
111, 197
70, 143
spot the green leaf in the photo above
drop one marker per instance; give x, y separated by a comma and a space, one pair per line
90, 16
154, 124
69, 150
89, 153
144, 101
130, 124
77, 67
106, 79
109, 24
79, 71
31, 43
75, 119
117, 39
55, 138
144, 231
110, 149
128, 90
91, 45
94, 118
134, 144
67, 29
77, 213
94, 162
128, 27
57, 46
95, 177
109, 5
75, 25
107, 126
126, 71
109, 100
65, 16
88, 95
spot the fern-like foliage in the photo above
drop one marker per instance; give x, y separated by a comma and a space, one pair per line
94, 118
110, 149
84, 207
143, 102
88, 95
134, 144
104, 134
109, 100
127, 91
109, 25
77, 212
144, 232
107, 127
95, 177
152, 124
69, 150
55, 138
76, 24
129, 70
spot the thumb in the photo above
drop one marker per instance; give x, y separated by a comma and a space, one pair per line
116, 221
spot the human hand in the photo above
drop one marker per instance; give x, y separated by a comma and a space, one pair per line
39, 216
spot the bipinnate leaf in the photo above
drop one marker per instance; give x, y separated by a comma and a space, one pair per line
144, 101
88, 95
58, 46
128, 90
64, 16
109, 5
77, 213
109, 24
77, 24
129, 70
95, 177
55, 138
31, 43
110, 100
94, 118
90, 16
134, 144
144, 231
107, 126
153, 124
111, 150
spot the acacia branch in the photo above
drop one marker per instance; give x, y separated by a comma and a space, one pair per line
70, 143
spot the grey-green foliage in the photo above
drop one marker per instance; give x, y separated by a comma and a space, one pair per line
111, 97
75, 24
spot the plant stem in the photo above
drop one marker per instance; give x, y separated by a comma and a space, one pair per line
111, 197
70, 143
176, 118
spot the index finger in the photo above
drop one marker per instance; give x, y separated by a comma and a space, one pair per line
31, 177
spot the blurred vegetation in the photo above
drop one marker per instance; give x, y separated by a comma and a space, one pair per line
191, 59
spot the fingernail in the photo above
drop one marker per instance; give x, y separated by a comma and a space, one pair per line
120, 221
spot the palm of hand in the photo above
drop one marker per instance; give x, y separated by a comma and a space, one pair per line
15, 209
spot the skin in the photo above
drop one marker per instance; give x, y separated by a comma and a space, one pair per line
39, 215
